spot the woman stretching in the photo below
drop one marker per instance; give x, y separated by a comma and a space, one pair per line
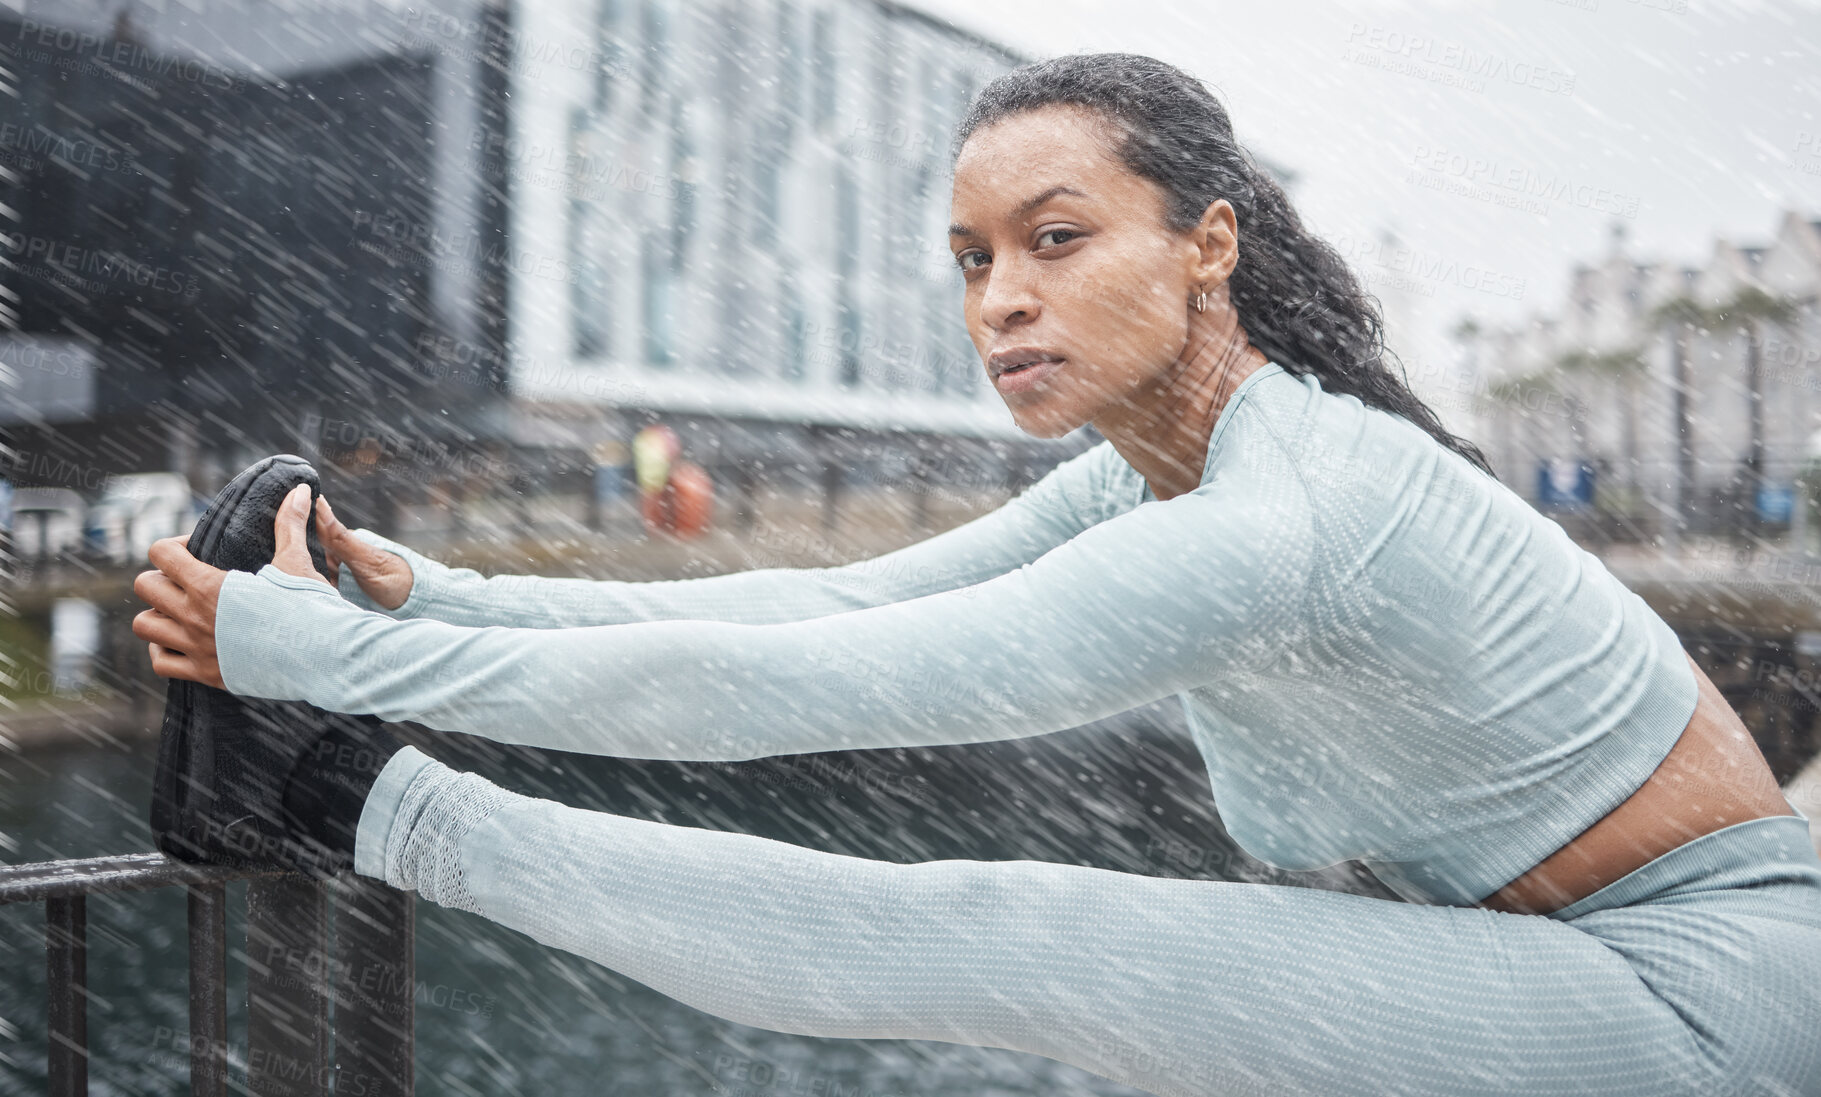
1384, 655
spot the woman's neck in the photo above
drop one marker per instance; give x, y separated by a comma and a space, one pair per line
1162, 430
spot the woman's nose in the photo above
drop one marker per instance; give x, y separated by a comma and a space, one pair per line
1010, 297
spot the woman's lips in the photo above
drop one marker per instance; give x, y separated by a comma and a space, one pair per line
1026, 377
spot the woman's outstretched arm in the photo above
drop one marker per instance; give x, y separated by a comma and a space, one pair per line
1058, 506
1141, 606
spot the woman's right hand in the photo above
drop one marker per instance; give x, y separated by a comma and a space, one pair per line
383, 576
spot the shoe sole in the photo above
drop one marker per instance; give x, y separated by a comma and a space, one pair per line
185, 772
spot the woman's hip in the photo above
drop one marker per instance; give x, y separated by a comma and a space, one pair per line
1766, 867
1726, 930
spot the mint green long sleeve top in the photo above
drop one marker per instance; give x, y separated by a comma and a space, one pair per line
1383, 653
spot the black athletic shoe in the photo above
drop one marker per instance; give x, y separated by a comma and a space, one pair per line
223, 761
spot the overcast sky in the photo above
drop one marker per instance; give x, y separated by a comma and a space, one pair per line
1499, 139
1682, 119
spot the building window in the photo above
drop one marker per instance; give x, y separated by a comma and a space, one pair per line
935, 344
790, 63
850, 340
847, 224
654, 45
767, 201
683, 192
590, 297
822, 68
796, 333
610, 56
932, 88
908, 223
847, 246
591, 303
654, 283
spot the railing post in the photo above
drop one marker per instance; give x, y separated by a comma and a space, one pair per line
376, 978
288, 973
292, 974
66, 959
209, 990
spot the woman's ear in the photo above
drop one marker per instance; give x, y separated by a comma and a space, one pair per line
1216, 238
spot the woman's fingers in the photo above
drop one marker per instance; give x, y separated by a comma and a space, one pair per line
325, 532
327, 525
290, 528
177, 651
173, 664
172, 556
339, 540
382, 575
158, 590
165, 631
333, 536
183, 594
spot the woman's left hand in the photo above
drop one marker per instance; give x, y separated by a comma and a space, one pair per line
180, 627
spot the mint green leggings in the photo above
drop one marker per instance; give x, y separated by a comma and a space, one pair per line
1699, 973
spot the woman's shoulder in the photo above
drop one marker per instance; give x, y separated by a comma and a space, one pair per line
1359, 475
1293, 425
1083, 489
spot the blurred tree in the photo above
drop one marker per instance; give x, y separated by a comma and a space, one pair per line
1748, 311
1681, 316
1625, 367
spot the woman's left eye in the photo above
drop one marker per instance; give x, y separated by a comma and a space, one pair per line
1057, 232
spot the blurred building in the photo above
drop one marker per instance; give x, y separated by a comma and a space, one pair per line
205, 260
738, 213
472, 246
476, 242
1681, 390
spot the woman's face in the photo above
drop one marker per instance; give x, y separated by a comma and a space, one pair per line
1067, 259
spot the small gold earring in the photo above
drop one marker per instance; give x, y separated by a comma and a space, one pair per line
1201, 302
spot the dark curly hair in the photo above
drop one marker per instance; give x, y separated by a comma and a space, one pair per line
1298, 300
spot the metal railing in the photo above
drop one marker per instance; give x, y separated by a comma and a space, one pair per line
296, 969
